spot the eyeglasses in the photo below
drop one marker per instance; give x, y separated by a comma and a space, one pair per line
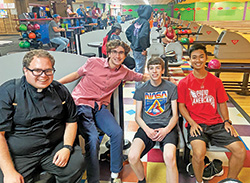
39, 72
116, 52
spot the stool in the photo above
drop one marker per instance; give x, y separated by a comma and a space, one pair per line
44, 177
89, 54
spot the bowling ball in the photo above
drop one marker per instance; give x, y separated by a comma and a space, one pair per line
186, 31
36, 26
180, 27
183, 31
176, 31
30, 27
82, 31
24, 35
189, 31
214, 64
21, 44
38, 35
23, 27
17, 27
183, 40
191, 40
26, 44
174, 27
32, 35
179, 32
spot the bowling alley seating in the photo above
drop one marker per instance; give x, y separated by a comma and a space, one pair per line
177, 48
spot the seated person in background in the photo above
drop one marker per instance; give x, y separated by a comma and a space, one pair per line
119, 18
55, 35
69, 11
38, 125
156, 116
199, 94
114, 33
170, 35
100, 77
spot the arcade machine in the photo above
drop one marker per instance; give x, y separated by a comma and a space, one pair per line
237, 47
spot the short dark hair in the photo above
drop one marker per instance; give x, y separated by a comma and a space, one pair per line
197, 47
156, 61
115, 43
29, 56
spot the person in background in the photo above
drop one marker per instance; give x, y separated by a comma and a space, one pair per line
178, 15
38, 125
100, 77
55, 35
170, 35
81, 13
157, 122
69, 11
95, 15
119, 18
202, 102
138, 35
104, 20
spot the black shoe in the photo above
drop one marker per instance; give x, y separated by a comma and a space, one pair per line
105, 156
190, 169
213, 169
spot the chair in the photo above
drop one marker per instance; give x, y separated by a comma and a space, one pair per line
188, 146
177, 48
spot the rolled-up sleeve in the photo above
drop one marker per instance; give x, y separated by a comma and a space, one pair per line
133, 76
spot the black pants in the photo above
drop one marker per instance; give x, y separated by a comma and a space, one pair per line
71, 173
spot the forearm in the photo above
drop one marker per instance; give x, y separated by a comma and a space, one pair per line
172, 123
224, 111
69, 78
6, 163
70, 133
141, 123
184, 112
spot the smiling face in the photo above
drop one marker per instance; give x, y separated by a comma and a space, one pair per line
198, 59
39, 82
155, 72
116, 57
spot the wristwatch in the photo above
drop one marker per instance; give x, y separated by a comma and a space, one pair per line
229, 121
68, 147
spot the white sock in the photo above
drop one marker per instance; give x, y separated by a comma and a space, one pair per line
114, 175
198, 182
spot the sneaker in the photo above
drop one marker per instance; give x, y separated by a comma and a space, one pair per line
190, 170
213, 169
116, 180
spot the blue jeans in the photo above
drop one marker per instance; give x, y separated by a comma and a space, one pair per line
140, 61
61, 41
89, 120
94, 20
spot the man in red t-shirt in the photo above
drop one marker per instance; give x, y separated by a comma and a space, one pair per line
198, 95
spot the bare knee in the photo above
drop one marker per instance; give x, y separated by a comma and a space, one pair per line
198, 156
238, 150
170, 159
133, 158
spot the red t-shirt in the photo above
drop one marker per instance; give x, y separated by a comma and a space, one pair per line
201, 102
170, 35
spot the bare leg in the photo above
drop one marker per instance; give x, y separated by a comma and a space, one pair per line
169, 155
134, 158
237, 158
199, 151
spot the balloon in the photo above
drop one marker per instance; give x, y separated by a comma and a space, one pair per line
214, 64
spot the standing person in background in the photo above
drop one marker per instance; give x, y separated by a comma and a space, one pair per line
119, 18
138, 35
168, 20
81, 13
179, 15
95, 15
104, 20
55, 35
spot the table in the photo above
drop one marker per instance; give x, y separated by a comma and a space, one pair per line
96, 45
242, 88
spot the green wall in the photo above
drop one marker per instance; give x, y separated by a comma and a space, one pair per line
186, 10
230, 11
201, 10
